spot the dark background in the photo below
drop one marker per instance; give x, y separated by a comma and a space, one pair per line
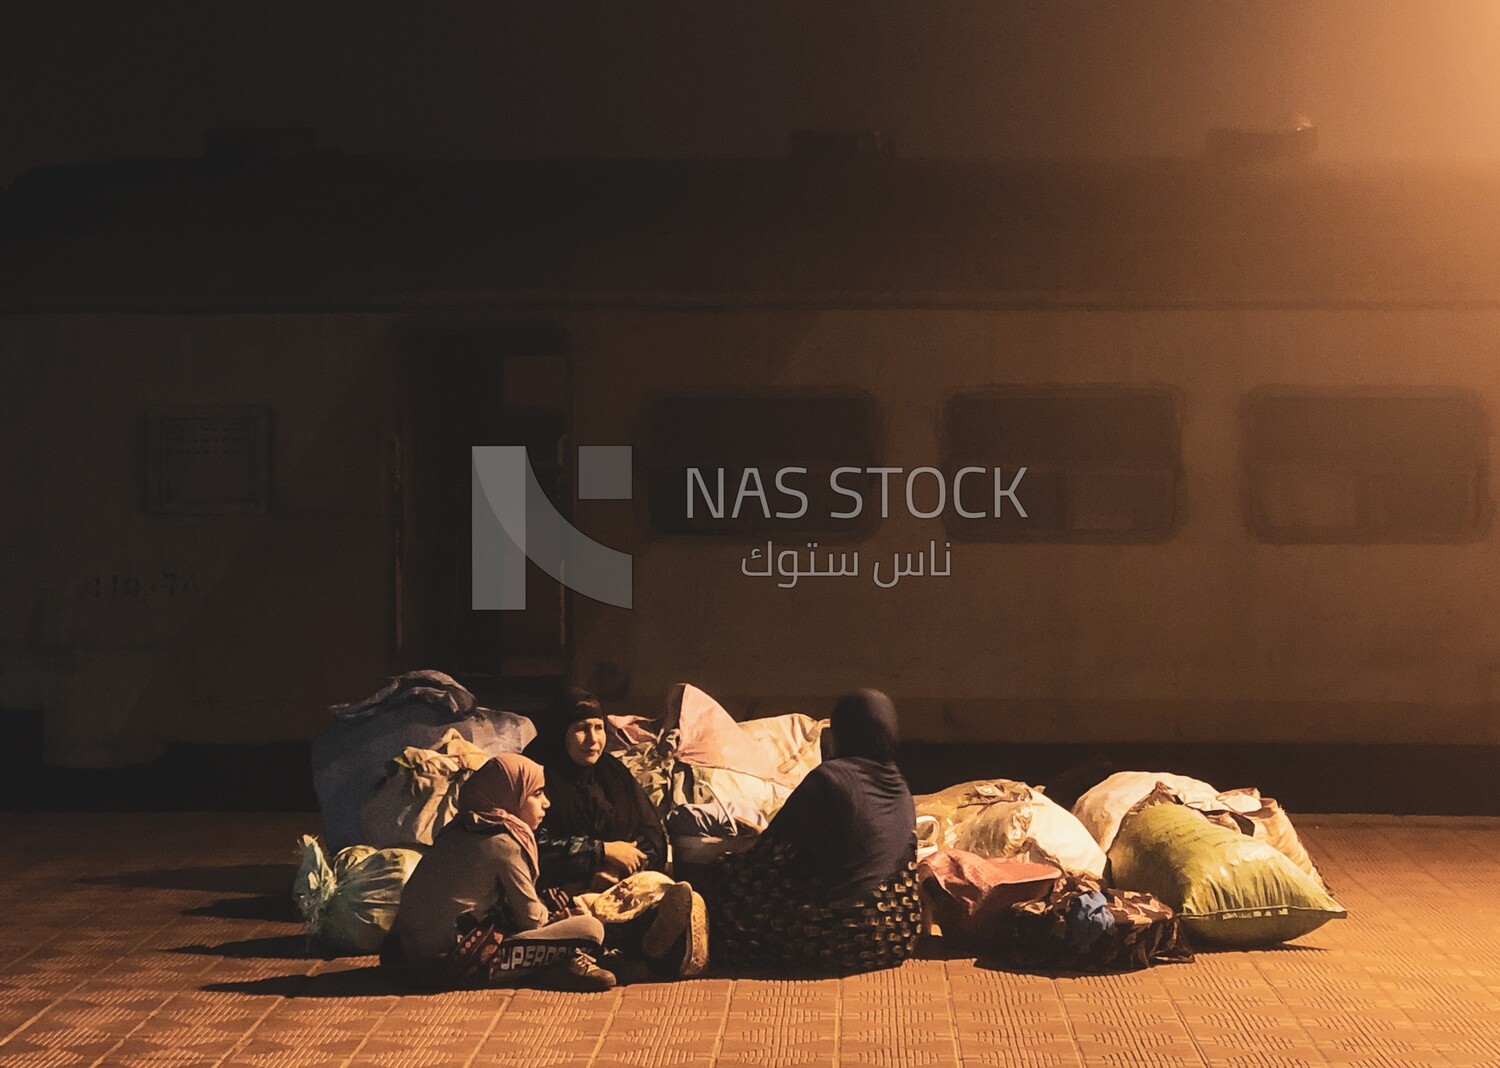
1382, 79
84, 82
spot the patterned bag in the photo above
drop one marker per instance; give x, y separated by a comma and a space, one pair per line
1082, 926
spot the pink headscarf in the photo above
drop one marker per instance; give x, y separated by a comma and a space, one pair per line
491, 798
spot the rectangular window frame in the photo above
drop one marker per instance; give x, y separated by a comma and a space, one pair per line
251, 422
1367, 477
1170, 472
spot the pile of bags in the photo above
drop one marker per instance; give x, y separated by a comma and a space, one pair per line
1146, 864
387, 772
1231, 865
713, 779
1004, 819
389, 768
422, 710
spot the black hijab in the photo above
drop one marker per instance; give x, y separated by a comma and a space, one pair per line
852, 819
600, 801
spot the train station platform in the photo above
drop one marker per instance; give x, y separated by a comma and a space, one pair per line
169, 940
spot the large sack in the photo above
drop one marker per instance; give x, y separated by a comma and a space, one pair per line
417, 709
653, 764
350, 906
419, 794
709, 737
1229, 889
1001, 818
746, 801
1102, 808
794, 739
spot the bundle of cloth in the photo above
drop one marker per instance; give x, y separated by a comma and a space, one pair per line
415, 714
1004, 819
710, 778
1032, 915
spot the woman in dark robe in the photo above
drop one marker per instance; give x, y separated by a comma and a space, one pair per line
831, 884
601, 826
600, 830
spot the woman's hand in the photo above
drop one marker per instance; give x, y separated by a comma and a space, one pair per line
623, 856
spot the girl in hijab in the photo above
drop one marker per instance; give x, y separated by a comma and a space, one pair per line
603, 839
470, 915
831, 884
601, 826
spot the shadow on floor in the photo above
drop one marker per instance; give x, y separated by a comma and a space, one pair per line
1284, 947
269, 879
933, 948
275, 947
277, 907
350, 983
992, 963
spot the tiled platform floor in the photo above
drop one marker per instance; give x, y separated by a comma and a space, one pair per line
167, 940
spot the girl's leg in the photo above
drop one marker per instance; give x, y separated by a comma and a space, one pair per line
524, 954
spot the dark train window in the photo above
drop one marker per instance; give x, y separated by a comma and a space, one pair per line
1102, 464
1365, 468
208, 460
708, 454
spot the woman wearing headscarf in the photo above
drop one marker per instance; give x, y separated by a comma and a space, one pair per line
831, 884
601, 826
470, 915
602, 838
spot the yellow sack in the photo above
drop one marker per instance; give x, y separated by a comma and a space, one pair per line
1229, 889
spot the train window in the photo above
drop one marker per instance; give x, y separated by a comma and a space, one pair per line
761, 466
1101, 464
208, 460
1365, 468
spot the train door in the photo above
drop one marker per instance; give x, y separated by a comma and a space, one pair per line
460, 388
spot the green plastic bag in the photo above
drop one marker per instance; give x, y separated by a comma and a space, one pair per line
1231, 890
351, 906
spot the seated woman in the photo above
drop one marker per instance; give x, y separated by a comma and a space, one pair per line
470, 915
831, 885
601, 826
602, 834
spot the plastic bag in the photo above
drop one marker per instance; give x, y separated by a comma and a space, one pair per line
1229, 889
1001, 818
350, 906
